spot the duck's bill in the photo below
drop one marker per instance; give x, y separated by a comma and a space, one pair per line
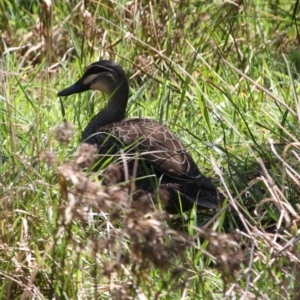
78, 87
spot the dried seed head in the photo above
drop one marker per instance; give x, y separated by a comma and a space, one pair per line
99, 203
118, 197
113, 174
145, 62
86, 154
87, 186
227, 250
142, 201
65, 132
49, 158
68, 170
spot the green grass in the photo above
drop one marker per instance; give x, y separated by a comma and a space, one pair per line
224, 78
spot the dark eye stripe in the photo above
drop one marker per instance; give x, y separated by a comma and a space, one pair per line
96, 70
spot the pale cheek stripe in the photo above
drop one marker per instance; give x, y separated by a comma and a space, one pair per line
89, 79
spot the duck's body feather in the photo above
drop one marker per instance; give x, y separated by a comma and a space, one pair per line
157, 145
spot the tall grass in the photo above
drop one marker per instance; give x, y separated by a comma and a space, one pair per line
223, 77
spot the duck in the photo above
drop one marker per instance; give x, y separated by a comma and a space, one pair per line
164, 163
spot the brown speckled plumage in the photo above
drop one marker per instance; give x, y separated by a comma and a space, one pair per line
160, 151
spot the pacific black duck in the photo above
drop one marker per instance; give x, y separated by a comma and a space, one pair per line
161, 152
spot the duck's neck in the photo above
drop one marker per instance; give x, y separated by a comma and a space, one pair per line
114, 111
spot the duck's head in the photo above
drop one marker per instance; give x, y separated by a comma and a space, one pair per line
104, 75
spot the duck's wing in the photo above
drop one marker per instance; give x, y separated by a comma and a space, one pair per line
161, 149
